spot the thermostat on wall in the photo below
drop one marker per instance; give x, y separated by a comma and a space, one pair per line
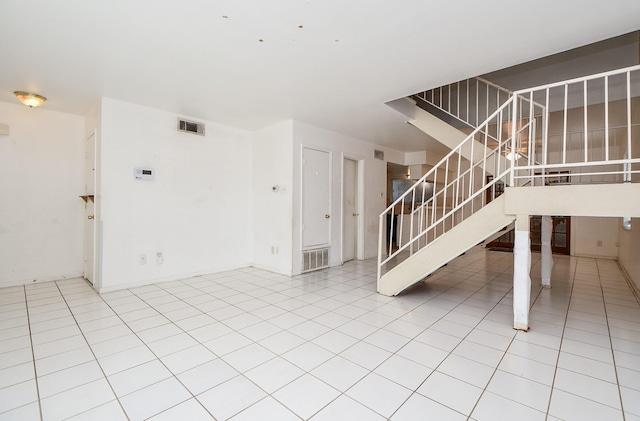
142, 173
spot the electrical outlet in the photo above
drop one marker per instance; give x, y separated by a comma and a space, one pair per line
159, 258
599, 243
274, 249
142, 259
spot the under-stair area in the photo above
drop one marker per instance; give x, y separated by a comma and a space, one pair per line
567, 148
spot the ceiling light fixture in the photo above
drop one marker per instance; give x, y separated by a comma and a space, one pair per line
29, 99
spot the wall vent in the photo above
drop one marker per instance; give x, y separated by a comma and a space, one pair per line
377, 154
315, 259
190, 127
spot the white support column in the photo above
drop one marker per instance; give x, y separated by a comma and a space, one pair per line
521, 270
545, 250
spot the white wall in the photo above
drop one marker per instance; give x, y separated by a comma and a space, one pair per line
197, 210
41, 177
629, 250
374, 180
587, 231
272, 165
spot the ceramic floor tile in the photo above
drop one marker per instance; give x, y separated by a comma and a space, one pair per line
172, 344
268, 409
626, 360
534, 352
528, 369
465, 308
207, 376
438, 340
281, 342
346, 409
307, 356
260, 331
18, 395
111, 411
138, 377
357, 329
154, 399
69, 378
231, 397
225, 344
340, 373
54, 334
423, 354
466, 370
248, 357
26, 412
335, 341
380, 394
492, 407
588, 387
628, 378
77, 400
190, 410
113, 346
417, 406
630, 401
366, 355
567, 406
524, 391
14, 344
587, 366
479, 353
274, 374
107, 333
403, 371
593, 352
126, 359
306, 395
57, 362
453, 393
17, 374
386, 340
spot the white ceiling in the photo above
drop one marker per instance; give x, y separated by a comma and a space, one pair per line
350, 57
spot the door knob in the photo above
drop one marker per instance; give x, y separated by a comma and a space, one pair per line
355, 214
90, 217
327, 216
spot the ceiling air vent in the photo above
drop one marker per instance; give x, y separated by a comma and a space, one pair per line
377, 154
190, 127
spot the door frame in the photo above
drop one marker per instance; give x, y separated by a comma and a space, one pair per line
359, 181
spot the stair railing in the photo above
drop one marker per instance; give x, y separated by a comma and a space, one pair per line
513, 145
471, 101
589, 129
460, 186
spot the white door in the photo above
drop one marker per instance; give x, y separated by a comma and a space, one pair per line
90, 226
349, 209
316, 199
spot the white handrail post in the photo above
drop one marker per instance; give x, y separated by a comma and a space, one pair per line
380, 243
513, 137
629, 156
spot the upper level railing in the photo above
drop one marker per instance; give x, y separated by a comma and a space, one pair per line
471, 101
595, 126
591, 128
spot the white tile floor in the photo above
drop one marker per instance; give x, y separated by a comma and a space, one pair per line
252, 345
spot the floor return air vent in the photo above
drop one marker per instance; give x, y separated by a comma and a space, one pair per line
315, 259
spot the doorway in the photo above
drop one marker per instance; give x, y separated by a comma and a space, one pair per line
89, 214
350, 209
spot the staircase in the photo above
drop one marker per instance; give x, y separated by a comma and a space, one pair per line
571, 133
